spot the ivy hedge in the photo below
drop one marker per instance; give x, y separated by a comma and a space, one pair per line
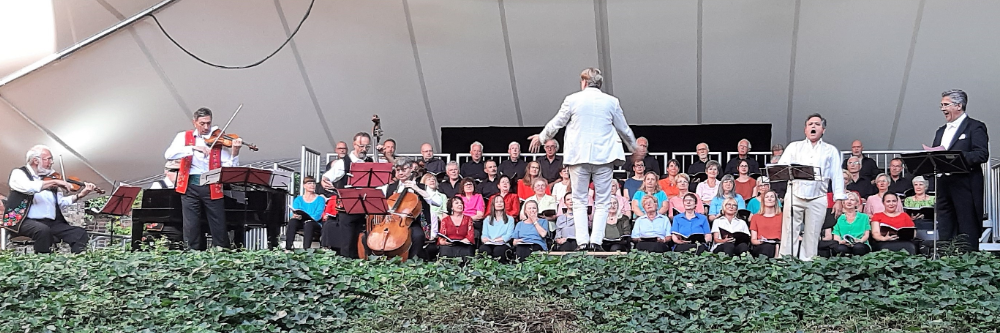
264, 291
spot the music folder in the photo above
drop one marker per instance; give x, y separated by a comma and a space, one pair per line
700, 238
738, 236
904, 233
370, 174
363, 201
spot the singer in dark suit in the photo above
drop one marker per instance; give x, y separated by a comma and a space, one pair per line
960, 196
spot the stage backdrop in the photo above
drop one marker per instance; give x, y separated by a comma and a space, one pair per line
662, 138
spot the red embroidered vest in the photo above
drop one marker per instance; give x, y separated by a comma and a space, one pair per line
214, 162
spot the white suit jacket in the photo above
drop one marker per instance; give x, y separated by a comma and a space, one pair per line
593, 121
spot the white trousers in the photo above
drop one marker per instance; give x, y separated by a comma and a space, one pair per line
799, 213
580, 176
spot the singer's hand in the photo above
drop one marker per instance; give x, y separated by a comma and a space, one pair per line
536, 142
838, 208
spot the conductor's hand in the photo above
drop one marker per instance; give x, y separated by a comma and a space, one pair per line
327, 185
838, 208
536, 143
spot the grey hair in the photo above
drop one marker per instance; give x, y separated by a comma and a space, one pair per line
476, 144
554, 141
957, 96
777, 146
35, 152
706, 146
711, 163
721, 192
402, 162
362, 134
514, 143
748, 143
922, 180
817, 115
593, 77
450, 163
882, 175
202, 112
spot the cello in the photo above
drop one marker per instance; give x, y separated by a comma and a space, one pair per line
389, 235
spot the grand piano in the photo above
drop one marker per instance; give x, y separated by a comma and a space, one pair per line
247, 206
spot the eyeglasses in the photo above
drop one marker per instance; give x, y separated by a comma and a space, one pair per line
854, 163
731, 205
550, 146
944, 105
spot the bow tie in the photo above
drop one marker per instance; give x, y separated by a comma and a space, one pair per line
953, 124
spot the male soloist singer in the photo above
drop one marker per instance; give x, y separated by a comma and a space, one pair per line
592, 119
805, 202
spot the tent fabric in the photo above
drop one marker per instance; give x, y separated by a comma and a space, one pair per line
874, 69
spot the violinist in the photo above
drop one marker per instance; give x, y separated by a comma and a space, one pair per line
43, 221
196, 159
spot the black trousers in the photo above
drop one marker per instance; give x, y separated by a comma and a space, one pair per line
309, 230
898, 245
957, 211
655, 247
498, 252
697, 247
44, 231
522, 251
764, 249
196, 199
340, 234
616, 246
858, 249
417, 241
455, 250
569, 246
732, 248
825, 249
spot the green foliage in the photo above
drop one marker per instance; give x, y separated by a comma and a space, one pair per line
265, 291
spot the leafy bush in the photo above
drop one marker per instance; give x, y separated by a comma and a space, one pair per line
265, 291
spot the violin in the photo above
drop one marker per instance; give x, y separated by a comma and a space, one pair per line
75, 183
225, 140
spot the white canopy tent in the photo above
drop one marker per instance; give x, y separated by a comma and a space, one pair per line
874, 69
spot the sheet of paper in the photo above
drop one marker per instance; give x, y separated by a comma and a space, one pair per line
938, 148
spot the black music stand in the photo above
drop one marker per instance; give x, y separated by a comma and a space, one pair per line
118, 204
789, 172
368, 201
369, 174
935, 162
240, 176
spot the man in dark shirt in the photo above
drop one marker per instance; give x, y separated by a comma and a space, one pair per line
488, 187
699, 165
869, 169
512, 167
858, 182
733, 166
431, 164
551, 163
643, 151
474, 167
451, 181
898, 183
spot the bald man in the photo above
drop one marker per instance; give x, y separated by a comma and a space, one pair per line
869, 169
432, 164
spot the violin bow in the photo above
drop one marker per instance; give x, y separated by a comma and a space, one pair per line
223, 132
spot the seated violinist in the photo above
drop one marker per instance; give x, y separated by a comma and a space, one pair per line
892, 229
307, 215
529, 234
731, 234
456, 235
43, 221
651, 231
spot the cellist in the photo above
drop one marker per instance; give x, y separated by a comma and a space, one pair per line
404, 175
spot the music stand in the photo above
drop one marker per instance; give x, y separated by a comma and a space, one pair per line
369, 174
369, 201
789, 172
120, 202
935, 162
237, 175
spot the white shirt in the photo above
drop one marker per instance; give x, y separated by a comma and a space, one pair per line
733, 226
159, 186
949, 131
592, 119
337, 170
43, 205
822, 155
199, 162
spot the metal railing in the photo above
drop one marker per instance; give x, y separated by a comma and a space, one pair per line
881, 157
762, 157
446, 157
992, 196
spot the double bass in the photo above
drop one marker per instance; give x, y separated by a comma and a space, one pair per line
389, 235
